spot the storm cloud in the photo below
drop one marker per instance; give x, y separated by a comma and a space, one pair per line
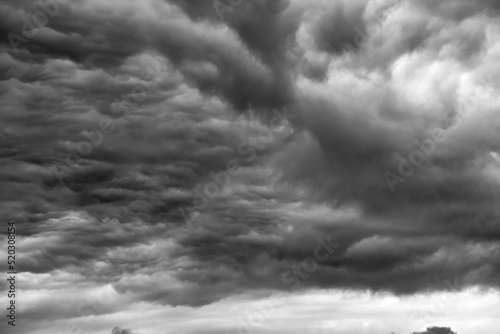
180, 157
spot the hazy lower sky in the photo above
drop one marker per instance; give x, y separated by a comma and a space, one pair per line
252, 166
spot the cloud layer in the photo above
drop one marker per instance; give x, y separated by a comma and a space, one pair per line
181, 158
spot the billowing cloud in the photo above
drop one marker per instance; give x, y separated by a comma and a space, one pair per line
173, 156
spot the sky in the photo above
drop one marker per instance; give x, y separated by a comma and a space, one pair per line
263, 166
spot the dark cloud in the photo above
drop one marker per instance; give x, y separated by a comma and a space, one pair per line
122, 123
341, 26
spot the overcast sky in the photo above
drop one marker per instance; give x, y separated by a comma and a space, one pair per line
302, 166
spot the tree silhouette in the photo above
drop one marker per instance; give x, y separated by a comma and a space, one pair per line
119, 330
437, 330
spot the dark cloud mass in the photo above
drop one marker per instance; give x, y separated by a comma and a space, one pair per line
183, 158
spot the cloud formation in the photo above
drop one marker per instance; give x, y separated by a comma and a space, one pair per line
121, 123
